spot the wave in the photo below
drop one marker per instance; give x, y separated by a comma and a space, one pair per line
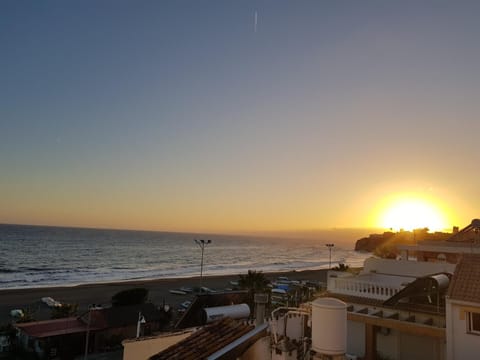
70, 257
8, 271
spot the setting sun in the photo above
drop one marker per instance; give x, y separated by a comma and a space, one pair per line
411, 213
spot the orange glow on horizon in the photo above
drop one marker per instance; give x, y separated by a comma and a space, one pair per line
411, 212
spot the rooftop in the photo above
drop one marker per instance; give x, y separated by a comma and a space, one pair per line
47, 328
465, 284
206, 341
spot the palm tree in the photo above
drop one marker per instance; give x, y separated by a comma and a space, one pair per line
254, 282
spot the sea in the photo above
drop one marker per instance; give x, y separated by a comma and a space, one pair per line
40, 256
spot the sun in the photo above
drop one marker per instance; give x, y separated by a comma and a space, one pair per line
412, 213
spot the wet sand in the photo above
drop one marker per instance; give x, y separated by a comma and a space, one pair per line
101, 294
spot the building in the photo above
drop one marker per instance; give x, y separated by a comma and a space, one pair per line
105, 328
224, 339
461, 242
396, 309
463, 310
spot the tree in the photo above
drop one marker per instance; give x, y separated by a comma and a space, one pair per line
130, 297
66, 310
254, 282
28, 315
341, 267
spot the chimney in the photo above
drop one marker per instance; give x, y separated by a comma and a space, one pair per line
261, 301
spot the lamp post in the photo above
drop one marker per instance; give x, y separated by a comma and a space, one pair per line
330, 246
202, 244
141, 320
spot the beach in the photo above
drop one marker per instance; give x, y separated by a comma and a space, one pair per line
101, 293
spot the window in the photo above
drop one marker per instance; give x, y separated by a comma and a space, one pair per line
473, 325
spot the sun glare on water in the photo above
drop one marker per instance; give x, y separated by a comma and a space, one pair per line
409, 214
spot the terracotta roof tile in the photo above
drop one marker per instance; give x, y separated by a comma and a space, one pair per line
465, 284
205, 341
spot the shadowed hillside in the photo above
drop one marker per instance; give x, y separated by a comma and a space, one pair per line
384, 244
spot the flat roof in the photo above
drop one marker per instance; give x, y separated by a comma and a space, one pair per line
48, 328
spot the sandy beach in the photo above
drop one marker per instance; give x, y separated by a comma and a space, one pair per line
101, 294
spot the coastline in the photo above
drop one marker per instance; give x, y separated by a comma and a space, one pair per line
101, 293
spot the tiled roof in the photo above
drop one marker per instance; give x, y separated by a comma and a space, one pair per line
47, 328
465, 284
205, 341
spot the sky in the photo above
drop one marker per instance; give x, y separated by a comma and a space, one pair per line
188, 116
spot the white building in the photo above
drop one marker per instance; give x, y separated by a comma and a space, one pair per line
463, 310
395, 309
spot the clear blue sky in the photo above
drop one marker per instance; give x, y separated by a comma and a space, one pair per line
178, 115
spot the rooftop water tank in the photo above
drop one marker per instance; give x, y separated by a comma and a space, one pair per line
329, 326
238, 311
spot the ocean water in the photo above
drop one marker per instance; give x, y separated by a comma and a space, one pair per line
36, 256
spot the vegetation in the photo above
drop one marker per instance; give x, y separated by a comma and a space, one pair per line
133, 296
66, 310
254, 282
341, 267
28, 315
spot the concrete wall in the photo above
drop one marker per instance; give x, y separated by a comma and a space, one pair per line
405, 268
355, 338
260, 350
388, 343
461, 344
395, 345
143, 348
421, 347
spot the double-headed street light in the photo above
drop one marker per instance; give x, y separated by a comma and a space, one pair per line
202, 244
330, 246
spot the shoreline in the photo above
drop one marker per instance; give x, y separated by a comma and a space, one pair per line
101, 293
153, 279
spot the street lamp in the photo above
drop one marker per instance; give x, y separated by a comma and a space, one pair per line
202, 244
330, 246
141, 320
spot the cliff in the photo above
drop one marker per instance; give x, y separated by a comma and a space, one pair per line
373, 241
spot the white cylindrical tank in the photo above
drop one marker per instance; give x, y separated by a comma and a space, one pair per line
238, 311
329, 326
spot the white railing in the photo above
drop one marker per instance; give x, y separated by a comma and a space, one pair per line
366, 289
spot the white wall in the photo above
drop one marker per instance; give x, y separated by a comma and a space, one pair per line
414, 347
143, 348
260, 350
388, 341
404, 268
355, 338
460, 344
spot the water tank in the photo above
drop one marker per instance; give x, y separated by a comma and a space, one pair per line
329, 326
238, 311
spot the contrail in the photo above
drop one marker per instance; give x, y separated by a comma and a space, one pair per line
255, 22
